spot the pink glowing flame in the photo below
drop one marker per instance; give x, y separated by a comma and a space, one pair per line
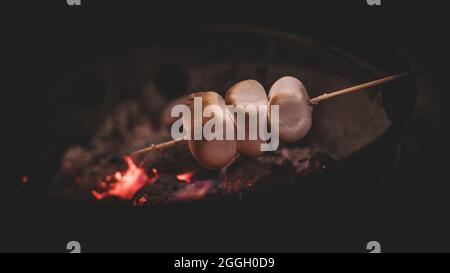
186, 177
127, 183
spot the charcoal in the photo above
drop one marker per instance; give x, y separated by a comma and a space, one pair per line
160, 191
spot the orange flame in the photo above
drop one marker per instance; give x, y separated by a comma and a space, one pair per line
186, 177
127, 183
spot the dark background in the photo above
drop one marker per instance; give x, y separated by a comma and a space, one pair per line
412, 216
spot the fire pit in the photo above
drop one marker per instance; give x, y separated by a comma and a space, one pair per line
107, 105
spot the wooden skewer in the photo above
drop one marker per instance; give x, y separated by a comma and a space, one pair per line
158, 147
313, 101
366, 85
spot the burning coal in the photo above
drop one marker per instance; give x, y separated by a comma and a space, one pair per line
125, 185
186, 177
194, 191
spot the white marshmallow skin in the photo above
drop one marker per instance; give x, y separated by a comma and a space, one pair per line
295, 112
212, 154
248, 92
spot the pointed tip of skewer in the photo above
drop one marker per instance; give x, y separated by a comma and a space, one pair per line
404, 74
325, 96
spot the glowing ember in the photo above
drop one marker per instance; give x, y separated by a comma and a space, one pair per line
141, 200
186, 177
127, 183
25, 179
194, 191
